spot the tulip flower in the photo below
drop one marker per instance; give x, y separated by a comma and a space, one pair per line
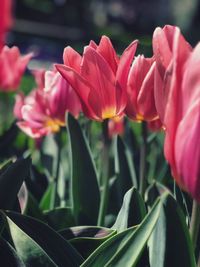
171, 51
140, 89
99, 77
12, 67
186, 141
6, 19
177, 98
43, 111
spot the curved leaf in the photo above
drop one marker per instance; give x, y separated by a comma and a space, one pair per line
170, 244
125, 248
8, 256
26, 229
84, 186
87, 238
132, 212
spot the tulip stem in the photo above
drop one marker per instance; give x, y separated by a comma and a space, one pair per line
55, 181
143, 152
105, 175
195, 223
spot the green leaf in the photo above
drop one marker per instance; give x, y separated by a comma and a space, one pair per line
84, 186
49, 155
36, 240
8, 256
170, 244
47, 201
87, 238
132, 212
125, 248
124, 169
26, 248
32, 207
59, 218
155, 190
11, 180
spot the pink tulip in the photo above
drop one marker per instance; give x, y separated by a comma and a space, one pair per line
12, 67
186, 143
177, 97
43, 111
99, 78
171, 51
140, 88
5, 19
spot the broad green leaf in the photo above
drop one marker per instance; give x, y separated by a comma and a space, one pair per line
84, 185
125, 248
124, 169
170, 244
86, 238
132, 212
26, 248
8, 256
11, 180
43, 239
59, 218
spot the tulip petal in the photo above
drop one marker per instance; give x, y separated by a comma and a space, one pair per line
71, 58
124, 64
81, 87
162, 46
191, 79
98, 72
107, 51
187, 150
122, 75
146, 102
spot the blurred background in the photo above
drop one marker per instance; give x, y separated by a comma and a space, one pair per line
47, 26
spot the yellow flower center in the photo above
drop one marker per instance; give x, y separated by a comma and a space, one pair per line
109, 113
54, 125
139, 117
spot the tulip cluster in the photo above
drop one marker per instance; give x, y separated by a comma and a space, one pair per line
163, 90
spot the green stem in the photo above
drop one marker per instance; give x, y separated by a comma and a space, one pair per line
105, 176
55, 181
195, 223
143, 154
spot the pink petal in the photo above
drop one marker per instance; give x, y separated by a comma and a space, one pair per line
187, 150
81, 87
107, 51
71, 58
97, 71
125, 63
